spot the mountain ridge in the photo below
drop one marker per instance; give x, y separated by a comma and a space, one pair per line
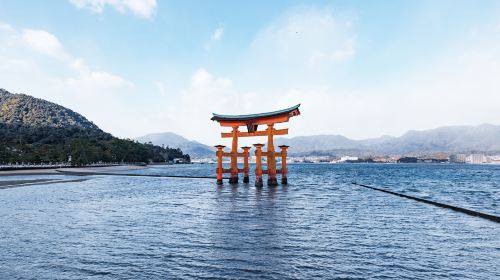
23, 109
448, 139
173, 140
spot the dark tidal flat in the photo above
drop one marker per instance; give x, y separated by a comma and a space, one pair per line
319, 226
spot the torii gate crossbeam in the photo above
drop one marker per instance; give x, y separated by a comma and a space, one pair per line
252, 122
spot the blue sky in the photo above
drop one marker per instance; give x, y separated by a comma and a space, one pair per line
359, 68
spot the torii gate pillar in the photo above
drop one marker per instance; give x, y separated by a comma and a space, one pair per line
271, 157
234, 157
252, 122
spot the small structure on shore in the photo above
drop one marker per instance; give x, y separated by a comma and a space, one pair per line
251, 122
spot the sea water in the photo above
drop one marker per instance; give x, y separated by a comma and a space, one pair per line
318, 226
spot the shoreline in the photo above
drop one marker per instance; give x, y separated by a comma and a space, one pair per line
69, 170
24, 183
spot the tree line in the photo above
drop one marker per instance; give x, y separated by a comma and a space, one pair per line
19, 143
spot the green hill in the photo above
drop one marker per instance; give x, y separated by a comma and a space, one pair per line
35, 130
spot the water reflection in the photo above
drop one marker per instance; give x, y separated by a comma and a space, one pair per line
248, 228
318, 226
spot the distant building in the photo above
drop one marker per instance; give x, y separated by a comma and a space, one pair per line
476, 159
384, 159
347, 158
203, 160
180, 161
458, 158
494, 159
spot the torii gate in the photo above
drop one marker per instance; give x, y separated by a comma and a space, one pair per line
252, 122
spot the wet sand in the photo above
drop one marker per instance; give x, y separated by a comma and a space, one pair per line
28, 172
24, 183
78, 170
102, 169
6, 183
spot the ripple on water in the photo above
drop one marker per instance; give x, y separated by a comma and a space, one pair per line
319, 226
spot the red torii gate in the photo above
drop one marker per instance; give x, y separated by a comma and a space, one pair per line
252, 122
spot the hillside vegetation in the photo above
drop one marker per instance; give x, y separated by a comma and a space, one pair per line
35, 130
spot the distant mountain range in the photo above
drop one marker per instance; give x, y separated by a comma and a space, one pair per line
172, 140
34, 130
451, 139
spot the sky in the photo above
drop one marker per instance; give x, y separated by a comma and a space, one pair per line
361, 69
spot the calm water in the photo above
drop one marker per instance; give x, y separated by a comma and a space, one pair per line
319, 226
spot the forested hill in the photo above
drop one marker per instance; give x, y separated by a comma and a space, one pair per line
35, 130
24, 118
23, 109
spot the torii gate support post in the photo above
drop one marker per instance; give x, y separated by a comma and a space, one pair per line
234, 157
258, 164
271, 158
246, 153
251, 122
284, 170
219, 163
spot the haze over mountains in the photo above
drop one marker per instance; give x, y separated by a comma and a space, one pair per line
28, 120
170, 139
483, 138
452, 139
50, 129
24, 118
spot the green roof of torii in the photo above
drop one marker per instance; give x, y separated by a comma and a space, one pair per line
217, 117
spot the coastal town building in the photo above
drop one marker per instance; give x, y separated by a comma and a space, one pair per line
494, 159
458, 158
476, 159
347, 158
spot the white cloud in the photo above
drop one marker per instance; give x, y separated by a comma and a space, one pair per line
459, 86
345, 52
141, 8
305, 37
217, 35
207, 93
203, 82
29, 42
160, 86
458, 89
43, 42
195, 104
35, 62
6, 27
98, 79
